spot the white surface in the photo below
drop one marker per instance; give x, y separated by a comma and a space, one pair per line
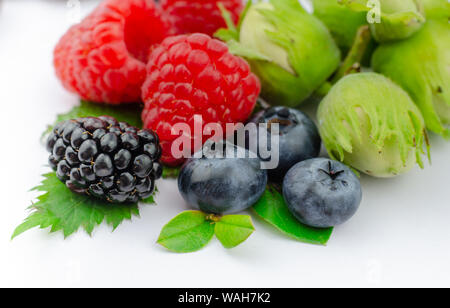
400, 236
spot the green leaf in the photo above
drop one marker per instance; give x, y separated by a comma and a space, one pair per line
130, 113
171, 172
188, 232
231, 36
272, 208
233, 230
61, 210
231, 32
149, 200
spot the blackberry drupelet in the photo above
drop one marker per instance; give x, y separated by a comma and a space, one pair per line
106, 159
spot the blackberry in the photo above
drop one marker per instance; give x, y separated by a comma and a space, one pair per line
104, 158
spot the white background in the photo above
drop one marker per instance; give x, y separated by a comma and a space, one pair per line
400, 236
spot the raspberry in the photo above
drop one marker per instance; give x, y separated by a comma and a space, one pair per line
192, 75
204, 16
103, 58
105, 159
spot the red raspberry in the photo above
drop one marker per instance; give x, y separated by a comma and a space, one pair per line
195, 75
204, 16
103, 58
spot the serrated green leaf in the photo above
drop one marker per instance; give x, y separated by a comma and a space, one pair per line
272, 208
231, 32
233, 230
61, 210
149, 200
130, 113
171, 172
188, 232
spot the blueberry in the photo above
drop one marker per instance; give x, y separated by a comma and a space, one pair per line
299, 138
222, 184
322, 193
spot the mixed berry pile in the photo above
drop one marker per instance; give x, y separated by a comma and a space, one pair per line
164, 56
181, 59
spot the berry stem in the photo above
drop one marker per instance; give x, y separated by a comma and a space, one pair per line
352, 62
213, 218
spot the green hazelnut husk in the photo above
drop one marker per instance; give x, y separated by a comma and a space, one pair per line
421, 65
436, 9
372, 125
291, 51
342, 22
396, 20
